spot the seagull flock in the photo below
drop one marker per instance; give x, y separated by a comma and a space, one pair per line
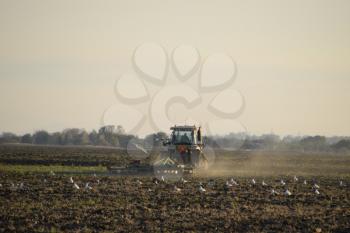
315, 188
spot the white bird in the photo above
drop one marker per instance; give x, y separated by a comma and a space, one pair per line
45, 180
162, 178
253, 181
76, 186
295, 178
228, 184
139, 182
94, 174
21, 186
177, 189
52, 173
317, 192
316, 186
283, 183
341, 183
201, 189
305, 182
98, 181
183, 180
149, 190
274, 192
287, 193
233, 182
87, 186
71, 180
263, 183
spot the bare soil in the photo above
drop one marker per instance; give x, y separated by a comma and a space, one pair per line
42, 202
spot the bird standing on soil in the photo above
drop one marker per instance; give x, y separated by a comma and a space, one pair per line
341, 184
228, 184
274, 192
87, 186
263, 183
316, 186
305, 182
201, 189
295, 178
176, 189
183, 180
71, 180
283, 183
287, 193
162, 179
317, 192
76, 186
139, 182
155, 180
233, 182
253, 181
52, 173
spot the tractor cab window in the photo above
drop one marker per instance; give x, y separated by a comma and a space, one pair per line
182, 137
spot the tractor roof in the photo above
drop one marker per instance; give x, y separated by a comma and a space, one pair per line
183, 127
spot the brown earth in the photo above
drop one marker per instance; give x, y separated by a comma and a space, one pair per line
123, 204
50, 203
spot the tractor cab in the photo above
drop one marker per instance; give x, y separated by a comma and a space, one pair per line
186, 135
185, 146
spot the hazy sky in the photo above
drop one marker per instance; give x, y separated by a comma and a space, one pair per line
59, 59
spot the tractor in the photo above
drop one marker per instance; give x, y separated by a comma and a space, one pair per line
185, 146
184, 154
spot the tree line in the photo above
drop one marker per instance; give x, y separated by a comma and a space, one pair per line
105, 136
116, 137
276, 143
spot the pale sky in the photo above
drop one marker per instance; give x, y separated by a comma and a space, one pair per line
59, 59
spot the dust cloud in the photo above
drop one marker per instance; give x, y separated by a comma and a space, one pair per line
265, 163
